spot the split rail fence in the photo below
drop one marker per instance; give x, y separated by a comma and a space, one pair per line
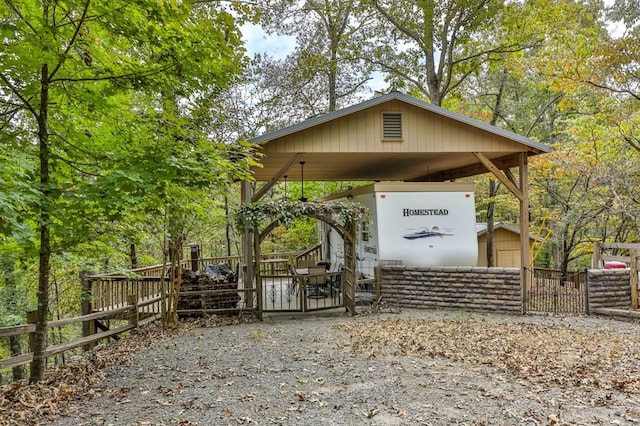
125, 318
113, 304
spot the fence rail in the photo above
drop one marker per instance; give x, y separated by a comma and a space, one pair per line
127, 313
552, 291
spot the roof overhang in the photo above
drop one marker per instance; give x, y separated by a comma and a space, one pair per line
341, 164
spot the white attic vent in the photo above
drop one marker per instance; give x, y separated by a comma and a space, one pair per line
392, 126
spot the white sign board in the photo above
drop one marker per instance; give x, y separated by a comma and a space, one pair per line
427, 228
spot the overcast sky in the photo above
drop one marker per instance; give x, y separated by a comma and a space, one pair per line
257, 41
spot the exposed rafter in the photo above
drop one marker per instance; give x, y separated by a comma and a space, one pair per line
502, 177
271, 182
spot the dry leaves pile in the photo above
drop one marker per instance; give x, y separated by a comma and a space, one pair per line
27, 404
537, 353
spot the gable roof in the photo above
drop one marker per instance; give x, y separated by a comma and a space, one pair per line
405, 98
348, 144
481, 228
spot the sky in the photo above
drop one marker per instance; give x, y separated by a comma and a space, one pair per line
277, 46
257, 41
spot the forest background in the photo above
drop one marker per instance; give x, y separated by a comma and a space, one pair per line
125, 123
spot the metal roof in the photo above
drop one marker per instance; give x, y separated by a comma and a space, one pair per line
481, 228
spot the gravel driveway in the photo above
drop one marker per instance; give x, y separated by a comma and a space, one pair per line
294, 369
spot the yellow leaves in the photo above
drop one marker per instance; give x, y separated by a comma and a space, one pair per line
535, 353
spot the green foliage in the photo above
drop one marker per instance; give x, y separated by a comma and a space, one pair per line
254, 216
125, 83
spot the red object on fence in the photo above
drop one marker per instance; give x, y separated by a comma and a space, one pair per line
614, 264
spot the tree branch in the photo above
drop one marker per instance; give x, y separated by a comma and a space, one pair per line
15, 91
71, 43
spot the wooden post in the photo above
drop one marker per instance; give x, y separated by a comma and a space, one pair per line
524, 229
195, 256
247, 252
587, 308
32, 318
258, 275
350, 278
634, 256
595, 258
377, 282
85, 306
134, 318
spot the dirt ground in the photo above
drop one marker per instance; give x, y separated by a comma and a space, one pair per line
406, 368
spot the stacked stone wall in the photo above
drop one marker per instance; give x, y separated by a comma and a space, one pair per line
486, 289
477, 288
609, 288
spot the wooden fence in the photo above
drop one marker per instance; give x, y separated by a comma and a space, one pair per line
132, 315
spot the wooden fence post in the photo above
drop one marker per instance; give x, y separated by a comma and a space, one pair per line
88, 327
633, 257
195, 256
32, 317
134, 318
595, 259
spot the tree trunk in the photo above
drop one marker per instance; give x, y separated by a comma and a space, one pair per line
11, 296
333, 71
175, 255
38, 364
16, 349
493, 186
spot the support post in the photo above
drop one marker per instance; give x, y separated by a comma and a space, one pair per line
32, 318
85, 305
194, 256
634, 256
132, 302
587, 308
247, 252
258, 278
350, 277
525, 258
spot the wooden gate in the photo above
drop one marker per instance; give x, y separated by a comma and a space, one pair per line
551, 291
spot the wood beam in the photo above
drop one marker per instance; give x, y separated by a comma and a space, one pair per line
247, 249
502, 177
275, 178
512, 178
466, 171
525, 256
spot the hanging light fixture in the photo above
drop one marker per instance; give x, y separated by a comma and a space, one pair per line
285, 186
302, 198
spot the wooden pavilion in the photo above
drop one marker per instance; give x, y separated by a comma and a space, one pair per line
394, 137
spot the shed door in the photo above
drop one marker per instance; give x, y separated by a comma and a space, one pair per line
508, 258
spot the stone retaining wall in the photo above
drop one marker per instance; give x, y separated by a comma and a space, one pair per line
478, 288
609, 288
486, 289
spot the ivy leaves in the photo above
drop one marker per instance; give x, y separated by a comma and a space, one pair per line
253, 216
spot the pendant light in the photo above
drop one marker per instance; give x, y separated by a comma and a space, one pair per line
285, 186
302, 198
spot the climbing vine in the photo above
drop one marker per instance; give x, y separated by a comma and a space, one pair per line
254, 216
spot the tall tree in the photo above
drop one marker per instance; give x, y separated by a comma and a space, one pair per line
86, 81
324, 72
429, 48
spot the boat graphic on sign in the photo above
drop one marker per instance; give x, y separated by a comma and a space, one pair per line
426, 234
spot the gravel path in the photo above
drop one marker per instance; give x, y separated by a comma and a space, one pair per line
301, 370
